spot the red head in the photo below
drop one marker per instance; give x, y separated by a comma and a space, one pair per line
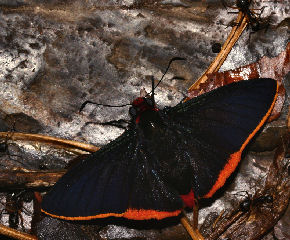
140, 105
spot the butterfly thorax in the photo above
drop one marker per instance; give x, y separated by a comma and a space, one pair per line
153, 129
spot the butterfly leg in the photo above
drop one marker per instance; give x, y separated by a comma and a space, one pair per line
195, 214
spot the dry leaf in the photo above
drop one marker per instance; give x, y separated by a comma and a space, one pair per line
266, 67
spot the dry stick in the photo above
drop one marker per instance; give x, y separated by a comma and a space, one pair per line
24, 178
232, 42
193, 232
218, 218
51, 140
223, 226
221, 57
10, 232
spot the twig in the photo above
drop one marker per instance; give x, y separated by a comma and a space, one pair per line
222, 227
10, 232
218, 218
221, 57
193, 232
23, 178
57, 142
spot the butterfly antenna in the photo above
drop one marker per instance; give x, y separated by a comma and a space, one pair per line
99, 104
172, 60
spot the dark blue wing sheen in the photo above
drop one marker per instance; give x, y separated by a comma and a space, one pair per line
164, 154
118, 180
215, 125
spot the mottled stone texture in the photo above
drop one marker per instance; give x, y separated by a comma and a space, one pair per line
54, 55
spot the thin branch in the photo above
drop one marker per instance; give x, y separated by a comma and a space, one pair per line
23, 178
10, 232
56, 142
193, 232
221, 57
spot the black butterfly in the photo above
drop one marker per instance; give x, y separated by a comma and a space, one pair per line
165, 158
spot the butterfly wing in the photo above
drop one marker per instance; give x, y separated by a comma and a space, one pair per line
118, 181
193, 146
215, 127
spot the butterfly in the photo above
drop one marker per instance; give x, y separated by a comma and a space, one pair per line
165, 158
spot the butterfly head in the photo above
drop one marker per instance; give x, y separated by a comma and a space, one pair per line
141, 105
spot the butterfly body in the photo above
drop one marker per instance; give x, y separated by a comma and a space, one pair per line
165, 158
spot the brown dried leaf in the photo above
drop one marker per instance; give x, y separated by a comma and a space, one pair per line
266, 67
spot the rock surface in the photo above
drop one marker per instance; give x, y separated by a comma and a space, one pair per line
54, 55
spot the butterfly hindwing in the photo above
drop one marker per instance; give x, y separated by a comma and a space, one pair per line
115, 181
218, 125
